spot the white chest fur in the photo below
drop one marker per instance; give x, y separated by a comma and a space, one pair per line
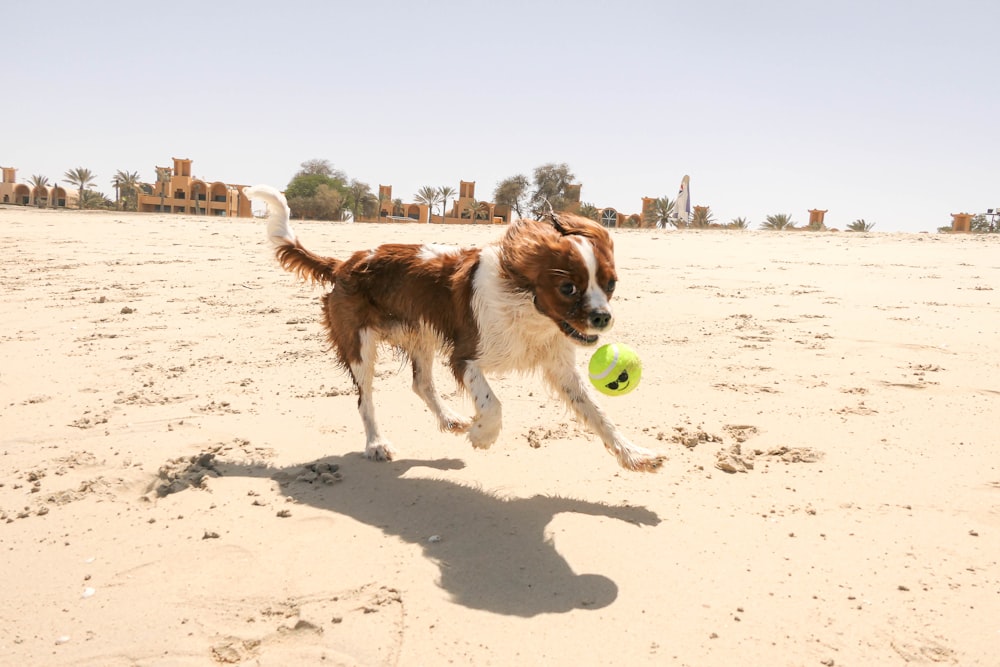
513, 335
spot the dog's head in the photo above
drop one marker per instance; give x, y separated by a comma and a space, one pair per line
567, 263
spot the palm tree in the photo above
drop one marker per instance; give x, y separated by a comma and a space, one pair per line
37, 182
369, 206
446, 192
588, 210
126, 188
357, 194
702, 217
430, 196
82, 178
778, 221
860, 226
661, 213
94, 199
739, 223
471, 208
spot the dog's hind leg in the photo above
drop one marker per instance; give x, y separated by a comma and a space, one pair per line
377, 448
421, 353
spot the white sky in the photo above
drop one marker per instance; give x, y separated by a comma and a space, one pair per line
887, 110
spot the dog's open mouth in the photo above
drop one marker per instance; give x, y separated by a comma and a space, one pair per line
586, 339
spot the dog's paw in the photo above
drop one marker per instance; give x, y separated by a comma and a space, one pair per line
638, 459
483, 433
380, 450
452, 423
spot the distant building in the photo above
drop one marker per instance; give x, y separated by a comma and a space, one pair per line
177, 191
389, 211
610, 217
816, 217
12, 192
464, 209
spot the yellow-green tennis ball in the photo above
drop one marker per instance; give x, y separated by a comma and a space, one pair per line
615, 369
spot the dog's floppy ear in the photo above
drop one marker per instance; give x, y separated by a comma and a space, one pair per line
551, 217
557, 222
525, 248
569, 224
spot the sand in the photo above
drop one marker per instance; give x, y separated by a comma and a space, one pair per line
181, 479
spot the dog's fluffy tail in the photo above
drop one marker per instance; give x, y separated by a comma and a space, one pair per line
278, 213
290, 253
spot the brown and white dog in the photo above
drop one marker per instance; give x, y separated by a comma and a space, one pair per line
523, 303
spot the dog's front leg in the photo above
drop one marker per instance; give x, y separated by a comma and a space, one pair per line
572, 388
485, 427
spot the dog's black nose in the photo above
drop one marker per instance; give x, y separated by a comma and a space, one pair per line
599, 319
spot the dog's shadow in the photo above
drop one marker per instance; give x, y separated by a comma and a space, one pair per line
492, 552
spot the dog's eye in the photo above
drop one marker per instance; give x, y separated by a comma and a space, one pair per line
611, 286
567, 289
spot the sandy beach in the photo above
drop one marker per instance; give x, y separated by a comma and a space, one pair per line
181, 478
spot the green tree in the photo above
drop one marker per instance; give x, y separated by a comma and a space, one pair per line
778, 221
38, 184
860, 225
328, 203
739, 223
551, 181
306, 185
309, 195
981, 224
325, 203
322, 168
359, 197
317, 195
428, 195
513, 192
661, 213
446, 192
81, 178
126, 185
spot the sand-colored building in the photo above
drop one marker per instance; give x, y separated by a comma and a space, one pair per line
611, 217
177, 191
464, 209
390, 211
12, 192
961, 222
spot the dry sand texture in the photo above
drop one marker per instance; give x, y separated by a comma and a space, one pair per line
181, 480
